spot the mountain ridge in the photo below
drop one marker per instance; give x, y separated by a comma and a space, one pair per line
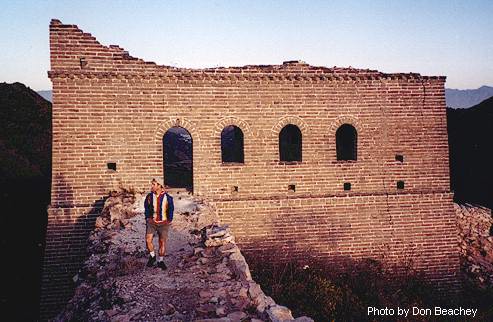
469, 135
25, 176
466, 98
46, 94
25, 132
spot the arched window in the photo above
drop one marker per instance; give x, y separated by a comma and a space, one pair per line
290, 143
346, 142
232, 144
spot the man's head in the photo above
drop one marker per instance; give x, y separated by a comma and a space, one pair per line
157, 185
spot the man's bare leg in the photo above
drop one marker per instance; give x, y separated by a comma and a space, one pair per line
162, 246
150, 248
162, 251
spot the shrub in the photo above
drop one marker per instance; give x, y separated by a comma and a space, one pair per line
305, 291
340, 293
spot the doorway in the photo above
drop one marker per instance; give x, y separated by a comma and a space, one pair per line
177, 156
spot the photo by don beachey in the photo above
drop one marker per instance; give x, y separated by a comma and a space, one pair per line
417, 311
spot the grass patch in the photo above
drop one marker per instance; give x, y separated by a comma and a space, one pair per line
344, 294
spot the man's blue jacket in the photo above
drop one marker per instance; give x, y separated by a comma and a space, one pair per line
149, 207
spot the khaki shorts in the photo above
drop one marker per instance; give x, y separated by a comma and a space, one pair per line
161, 229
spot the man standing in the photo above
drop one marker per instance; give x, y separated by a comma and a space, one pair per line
158, 213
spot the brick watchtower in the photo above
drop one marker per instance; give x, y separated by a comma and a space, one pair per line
336, 163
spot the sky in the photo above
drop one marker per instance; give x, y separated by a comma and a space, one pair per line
449, 38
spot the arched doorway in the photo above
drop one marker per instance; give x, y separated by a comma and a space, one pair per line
177, 156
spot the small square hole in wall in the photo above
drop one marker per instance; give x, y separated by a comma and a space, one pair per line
234, 189
400, 184
83, 62
399, 157
111, 166
347, 185
292, 187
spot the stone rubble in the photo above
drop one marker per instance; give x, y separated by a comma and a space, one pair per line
207, 278
476, 244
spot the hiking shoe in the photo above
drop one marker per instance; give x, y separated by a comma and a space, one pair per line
161, 265
151, 261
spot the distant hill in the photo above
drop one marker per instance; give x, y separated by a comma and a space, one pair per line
464, 98
25, 132
47, 95
25, 176
471, 157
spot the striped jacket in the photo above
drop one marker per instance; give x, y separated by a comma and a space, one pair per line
149, 207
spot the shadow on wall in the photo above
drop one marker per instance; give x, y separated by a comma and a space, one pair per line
68, 229
62, 193
304, 238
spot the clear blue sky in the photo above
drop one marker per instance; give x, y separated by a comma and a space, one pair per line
451, 38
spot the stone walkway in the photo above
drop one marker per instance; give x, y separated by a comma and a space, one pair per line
207, 277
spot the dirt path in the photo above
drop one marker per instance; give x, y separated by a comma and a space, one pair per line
174, 294
200, 282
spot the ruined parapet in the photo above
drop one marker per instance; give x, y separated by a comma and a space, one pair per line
207, 276
476, 232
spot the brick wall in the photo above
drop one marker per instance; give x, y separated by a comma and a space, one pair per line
111, 107
66, 241
405, 230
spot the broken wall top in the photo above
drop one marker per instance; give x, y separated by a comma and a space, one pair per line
74, 52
